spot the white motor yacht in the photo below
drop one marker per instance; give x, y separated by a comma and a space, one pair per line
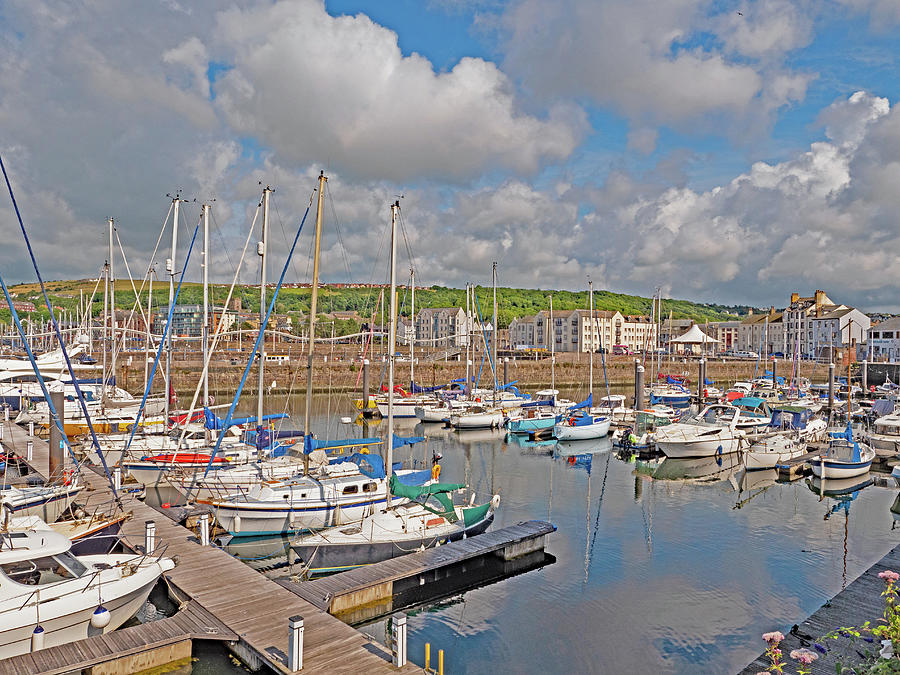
50, 597
712, 432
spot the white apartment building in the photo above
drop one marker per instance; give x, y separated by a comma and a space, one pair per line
884, 340
441, 327
845, 327
573, 331
761, 333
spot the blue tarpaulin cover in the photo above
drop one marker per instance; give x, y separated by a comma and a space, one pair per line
369, 465
400, 441
586, 403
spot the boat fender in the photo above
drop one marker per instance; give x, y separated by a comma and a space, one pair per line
495, 501
101, 617
37, 638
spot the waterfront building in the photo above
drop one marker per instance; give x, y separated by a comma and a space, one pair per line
573, 331
846, 327
761, 333
441, 327
884, 340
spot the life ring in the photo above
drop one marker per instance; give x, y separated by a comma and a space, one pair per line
571, 421
67, 476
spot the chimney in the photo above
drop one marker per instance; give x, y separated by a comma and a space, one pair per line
794, 297
750, 312
772, 310
820, 299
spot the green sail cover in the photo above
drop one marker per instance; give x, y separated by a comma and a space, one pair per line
475, 514
440, 491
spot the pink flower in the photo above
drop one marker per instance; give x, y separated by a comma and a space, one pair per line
889, 575
804, 656
773, 637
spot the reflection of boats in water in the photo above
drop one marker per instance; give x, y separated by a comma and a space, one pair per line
753, 480
545, 447
838, 487
480, 435
585, 446
703, 469
264, 554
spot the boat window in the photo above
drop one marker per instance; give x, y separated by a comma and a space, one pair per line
351, 489
370, 487
45, 570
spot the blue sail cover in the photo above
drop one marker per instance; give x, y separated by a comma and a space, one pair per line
586, 403
538, 404
400, 441
212, 421
310, 443
846, 434
707, 381
675, 383
419, 389
370, 465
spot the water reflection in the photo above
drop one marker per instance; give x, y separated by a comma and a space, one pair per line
662, 566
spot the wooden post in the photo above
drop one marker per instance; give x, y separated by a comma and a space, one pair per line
865, 375
638, 385
831, 387
57, 457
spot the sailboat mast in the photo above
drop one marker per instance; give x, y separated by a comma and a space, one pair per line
468, 332
591, 357
312, 313
205, 327
412, 343
262, 249
494, 330
147, 343
550, 331
392, 337
105, 330
170, 268
112, 300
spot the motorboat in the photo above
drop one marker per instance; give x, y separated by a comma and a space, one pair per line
698, 469
785, 437
843, 458
50, 597
90, 534
425, 518
614, 407
754, 415
713, 431
884, 438
641, 437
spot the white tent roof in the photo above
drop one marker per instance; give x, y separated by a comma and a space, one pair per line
694, 336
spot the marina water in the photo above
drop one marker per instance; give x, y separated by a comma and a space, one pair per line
656, 567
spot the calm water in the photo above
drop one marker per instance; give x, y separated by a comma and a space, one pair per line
660, 567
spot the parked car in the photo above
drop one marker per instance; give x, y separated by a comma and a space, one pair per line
621, 350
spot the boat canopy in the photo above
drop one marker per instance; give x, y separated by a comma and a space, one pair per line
790, 417
213, 421
882, 407
310, 443
440, 491
749, 402
400, 441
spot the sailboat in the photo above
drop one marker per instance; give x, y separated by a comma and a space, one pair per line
425, 517
584, 424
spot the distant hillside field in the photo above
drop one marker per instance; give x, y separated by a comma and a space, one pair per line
512, 302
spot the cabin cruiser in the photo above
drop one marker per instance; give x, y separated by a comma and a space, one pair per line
50, 597
478, 417
755, 413
785, 438
713, 431
884, 438
48, 502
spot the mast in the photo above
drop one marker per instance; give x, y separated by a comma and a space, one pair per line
112, 300
550, 331
105, 330
147, 343
412, 344
468, 332
170, 268
392, 337
591, 357
494, 331
261, 247
205, 327
312, 314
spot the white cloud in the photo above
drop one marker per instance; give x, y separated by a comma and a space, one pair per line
337, 90
646, 59
883, 13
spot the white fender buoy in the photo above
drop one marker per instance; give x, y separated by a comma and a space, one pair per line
495, 501
101, 617
37, 638
237, 524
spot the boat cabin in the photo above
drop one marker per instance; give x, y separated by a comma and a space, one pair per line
37, 557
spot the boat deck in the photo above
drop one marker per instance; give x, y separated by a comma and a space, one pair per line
244, 602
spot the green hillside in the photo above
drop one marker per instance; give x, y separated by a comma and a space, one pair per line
512, 302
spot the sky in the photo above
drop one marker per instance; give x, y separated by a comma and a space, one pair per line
722, 151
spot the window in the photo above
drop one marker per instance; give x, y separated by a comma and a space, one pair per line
370, 487
887, 335
351, 489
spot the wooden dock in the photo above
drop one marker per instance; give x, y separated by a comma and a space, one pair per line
373, 587
244, 603
861, 601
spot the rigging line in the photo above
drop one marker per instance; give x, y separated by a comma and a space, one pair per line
599, 504
137, 296
219, 326
281, 225
340, 236
62, 345
162, 343
256, 347
218, 232
412, 259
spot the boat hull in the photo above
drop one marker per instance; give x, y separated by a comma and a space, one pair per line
563, 432
339, 557
829, 468
477, 420
706, 447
